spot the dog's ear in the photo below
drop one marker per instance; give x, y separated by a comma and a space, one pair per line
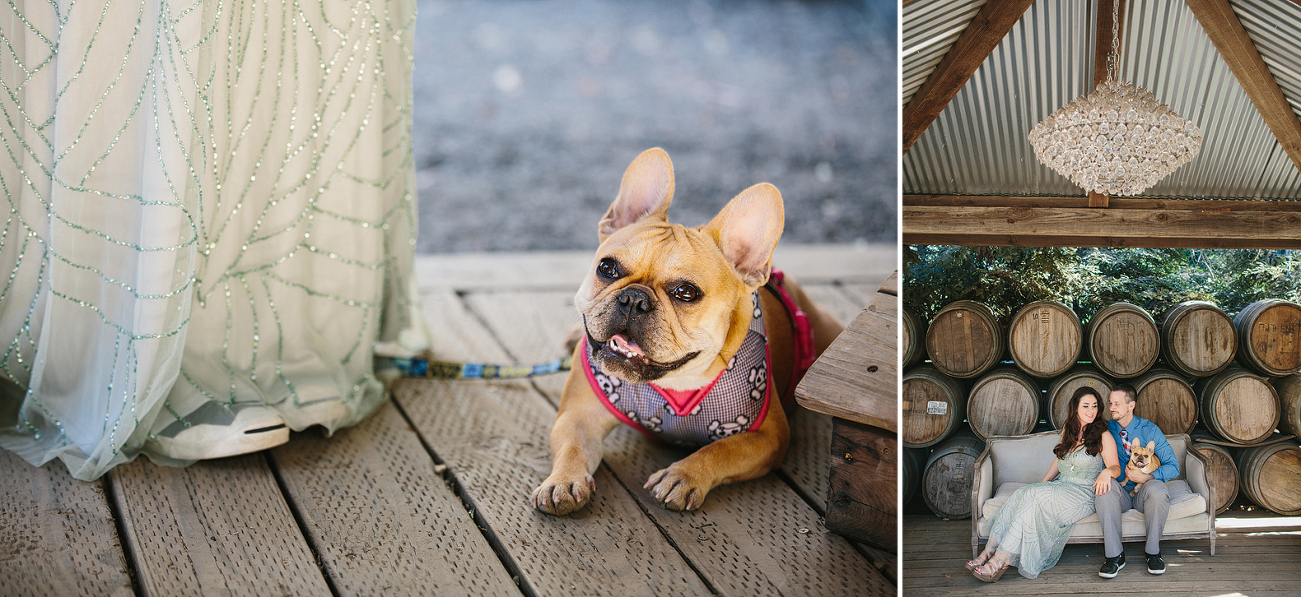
1151, 446
645, 192
747, 231
1134, 443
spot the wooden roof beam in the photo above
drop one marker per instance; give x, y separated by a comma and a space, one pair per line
980, 38
1070, 222
1237, 49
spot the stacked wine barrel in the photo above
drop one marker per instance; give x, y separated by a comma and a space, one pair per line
1234, 384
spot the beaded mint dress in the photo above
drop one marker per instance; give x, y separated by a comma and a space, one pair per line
210, 212
1034, 524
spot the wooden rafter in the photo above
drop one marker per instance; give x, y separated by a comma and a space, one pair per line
1070, 222
1237, 49
980, 38
1101, 52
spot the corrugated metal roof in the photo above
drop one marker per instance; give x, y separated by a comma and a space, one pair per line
1276, 31
978, 143
930, 28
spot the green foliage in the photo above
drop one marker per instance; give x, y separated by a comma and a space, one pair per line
1005, 278
1087, 279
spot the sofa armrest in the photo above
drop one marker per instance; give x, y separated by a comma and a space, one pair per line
1195, 465
1194, 472
983, 482
982, 488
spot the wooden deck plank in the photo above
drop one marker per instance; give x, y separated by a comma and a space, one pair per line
57, 534
493, 437
753, 538
1244, 564
215, 527
384, 522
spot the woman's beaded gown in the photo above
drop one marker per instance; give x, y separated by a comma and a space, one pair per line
1033, 525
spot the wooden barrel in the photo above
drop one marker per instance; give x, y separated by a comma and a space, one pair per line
1289, 402
1198, 339
1271, 476
1269, 337
1222, 474
1238, 406
1167, 400
1045, 338
1057, 401
964, 339
913, 332
1004, 401
911, 463
1123, 340
947, 478
934, 406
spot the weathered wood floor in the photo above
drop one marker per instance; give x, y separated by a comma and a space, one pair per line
1254, 556
372, 510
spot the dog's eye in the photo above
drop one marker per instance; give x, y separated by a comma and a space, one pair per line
608, 269
685, 293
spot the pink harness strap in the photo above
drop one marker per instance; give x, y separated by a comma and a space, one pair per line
804, 351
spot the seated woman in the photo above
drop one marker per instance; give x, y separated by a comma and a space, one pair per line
1031, 529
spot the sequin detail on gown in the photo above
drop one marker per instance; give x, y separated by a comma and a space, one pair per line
1035, 522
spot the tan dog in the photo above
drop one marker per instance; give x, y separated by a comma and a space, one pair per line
672, 305
1144, 459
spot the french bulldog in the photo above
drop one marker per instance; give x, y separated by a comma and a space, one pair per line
672, 341
1144, 459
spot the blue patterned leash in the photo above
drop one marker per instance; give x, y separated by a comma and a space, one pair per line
422, 367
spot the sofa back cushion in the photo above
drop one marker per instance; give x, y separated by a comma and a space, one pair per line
1025, 458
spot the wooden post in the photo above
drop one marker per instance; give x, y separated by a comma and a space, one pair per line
862, 502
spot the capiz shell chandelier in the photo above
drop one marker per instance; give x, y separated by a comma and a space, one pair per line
1118, 140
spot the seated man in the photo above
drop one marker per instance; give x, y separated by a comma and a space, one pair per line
1152, 497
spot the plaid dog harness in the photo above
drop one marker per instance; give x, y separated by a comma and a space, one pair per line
736, 401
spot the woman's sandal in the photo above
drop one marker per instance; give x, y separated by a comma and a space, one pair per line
980, 560
981, 574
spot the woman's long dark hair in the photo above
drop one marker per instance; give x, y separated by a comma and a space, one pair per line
1071, 430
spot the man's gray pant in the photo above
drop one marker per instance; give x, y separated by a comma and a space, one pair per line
1152, 499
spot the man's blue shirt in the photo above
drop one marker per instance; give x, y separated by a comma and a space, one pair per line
1146, 431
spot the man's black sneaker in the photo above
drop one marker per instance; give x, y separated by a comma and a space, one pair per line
1113, 566
1155, 565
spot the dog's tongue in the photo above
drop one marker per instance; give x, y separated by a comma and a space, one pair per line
625, 346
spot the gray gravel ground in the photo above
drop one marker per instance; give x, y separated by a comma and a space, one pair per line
527, 112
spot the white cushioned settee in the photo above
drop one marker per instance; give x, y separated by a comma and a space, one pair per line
1009, 462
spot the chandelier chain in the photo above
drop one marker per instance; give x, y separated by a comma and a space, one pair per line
1113, 59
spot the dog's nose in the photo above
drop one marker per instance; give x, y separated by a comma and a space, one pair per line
634, 302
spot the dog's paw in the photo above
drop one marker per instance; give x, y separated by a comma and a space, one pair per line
676, 489
560, 496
